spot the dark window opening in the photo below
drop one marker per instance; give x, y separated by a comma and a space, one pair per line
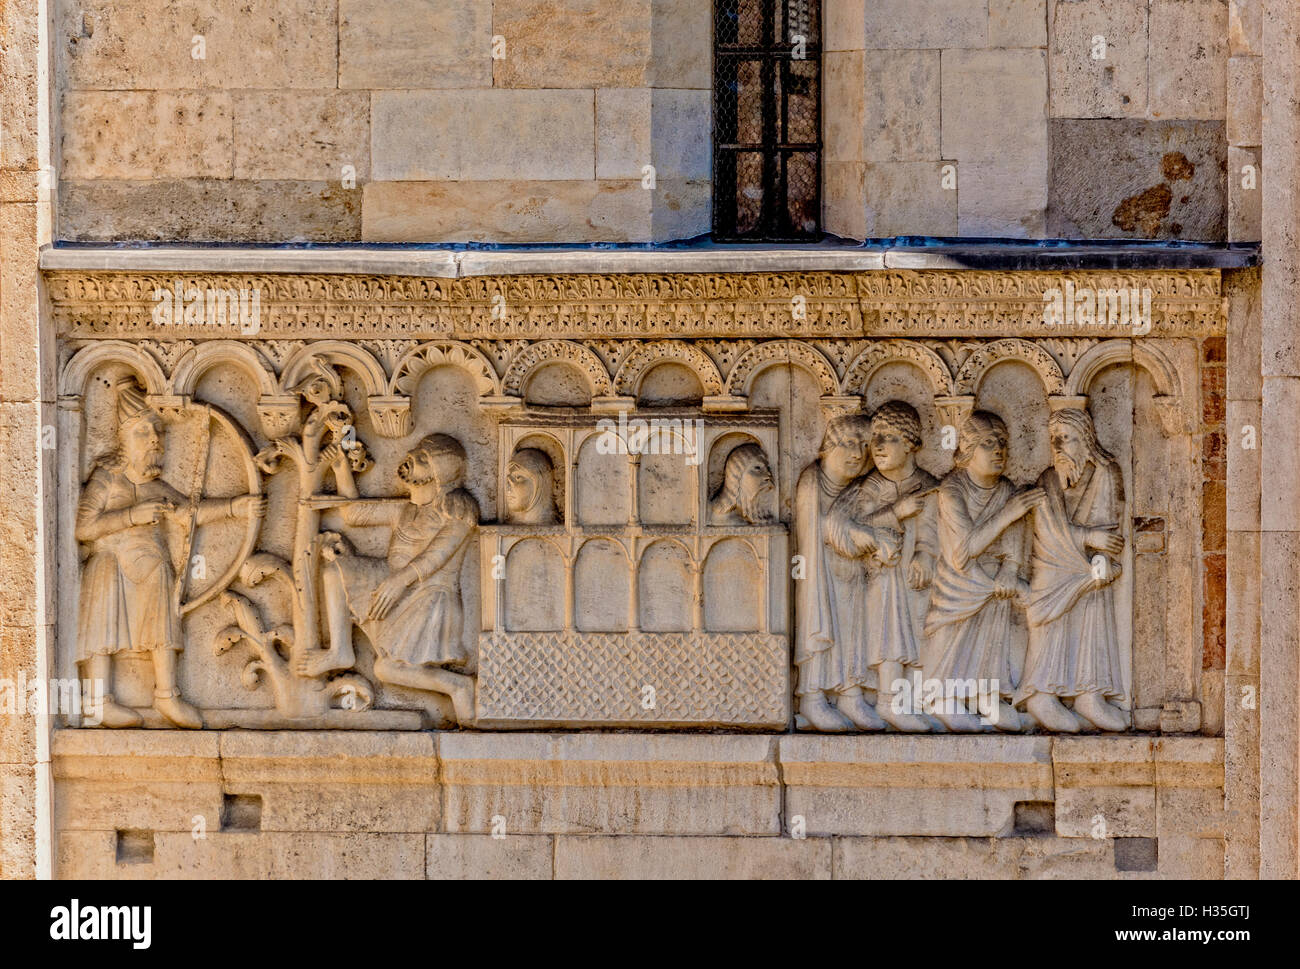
767, 134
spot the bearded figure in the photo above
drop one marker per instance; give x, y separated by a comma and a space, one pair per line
128, 586
1074, 651
748, 493
409, 603
530, 488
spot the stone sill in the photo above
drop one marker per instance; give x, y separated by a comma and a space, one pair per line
452, 263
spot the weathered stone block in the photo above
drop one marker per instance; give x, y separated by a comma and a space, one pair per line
17, 821
900, 107
511, 211
1138, 179
147, 134
681, 41
680, 209
415, 43
623, 125
1245, 195
297, 855
136, 44
483, 135
995, 108
844, 106
1105, 787
943, 24
573, 43
1245, 100
1099, 58
681, 135
153, 780
335, 781
1189, 54
844, 25
1243, 423
994, 200
916, 785
844, 210
1017, 23
908, 198
1245, 27
20, 81
1243, 608
610, 784
302, 135
692, 858
1242, 287
209, 210
1189, 787
461, 857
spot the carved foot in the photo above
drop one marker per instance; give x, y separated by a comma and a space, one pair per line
962, 722
1009, 719
906, 722
113, 714
856, 708
311, 664
1051, 714
819, 715
1102, 715
462, 702
178, 711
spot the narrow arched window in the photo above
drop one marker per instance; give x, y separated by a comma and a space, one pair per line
767, 120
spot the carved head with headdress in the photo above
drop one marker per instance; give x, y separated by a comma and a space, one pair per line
320, 384
1074, 444
983, 431
139, 433
748, 493
438, 459
530, 488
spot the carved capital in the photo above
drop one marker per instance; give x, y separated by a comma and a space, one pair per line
953, 410
280, 415
391, 415
1067, 402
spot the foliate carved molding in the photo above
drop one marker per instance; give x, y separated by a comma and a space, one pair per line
584, 306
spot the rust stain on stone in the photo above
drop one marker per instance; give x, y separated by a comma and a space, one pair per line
1143, 212
1175, 166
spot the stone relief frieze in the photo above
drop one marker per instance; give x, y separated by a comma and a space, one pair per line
850, 534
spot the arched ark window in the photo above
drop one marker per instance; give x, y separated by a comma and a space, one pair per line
767, 120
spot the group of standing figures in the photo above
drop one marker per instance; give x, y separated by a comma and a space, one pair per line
906, 579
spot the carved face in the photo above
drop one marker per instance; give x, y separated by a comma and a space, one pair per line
989, 457
889, 449
847, 460
756, 490
521, 490
317, 392
418, 468
1069, 453
142, 446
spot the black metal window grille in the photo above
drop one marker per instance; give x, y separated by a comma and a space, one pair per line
767, 133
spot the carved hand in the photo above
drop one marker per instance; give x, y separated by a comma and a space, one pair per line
908, 506
1018, 506
150, 512
248, 506
1104, 541
921, 572
388, 593
889, 545
1006, 585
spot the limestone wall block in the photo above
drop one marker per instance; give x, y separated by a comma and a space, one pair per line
483, 135
406, 44
1245, 27
156, 780
1245, 100
460, 857
900, 112
1245, 203
147, 134
941, 24
1105, 787
1189, 53
909, 198
302, 135
682, 134
209, 210
1099, 58
1243, 465
995, 107
573, 43
844, 25
1243, 610
507, 211
124, 44
1189, 787
895, 784
997, 200
1280, 434
1242, 289
681, 42
20, 87
1017, 23
843, 106
844, 210
610, 784
623, 129
17, 821
680, 208
692, 858
335, 781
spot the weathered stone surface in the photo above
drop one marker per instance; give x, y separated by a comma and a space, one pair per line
1133, 179
589, 783
844, 210
302, 135
844, 25
156, 780
681, 136
1245, 195
844, 107
209, 210
415, 43
1105, 787
1189, 53
20, 79
1017, 23
460, 857
1099, 58
335, 781
1189, 787
900, 110
17, 821
993, 202
977, 858
908, 198
297, 855
29, 369
901, 24
680, 209
125, 44
586, 211
483, 135
1245, 99
147, 135
1243, 424
681, 42
1245, 26
623, 128
891, 785
692, 858
573, 43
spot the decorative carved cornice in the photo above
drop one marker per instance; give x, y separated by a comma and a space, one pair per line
810, 305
